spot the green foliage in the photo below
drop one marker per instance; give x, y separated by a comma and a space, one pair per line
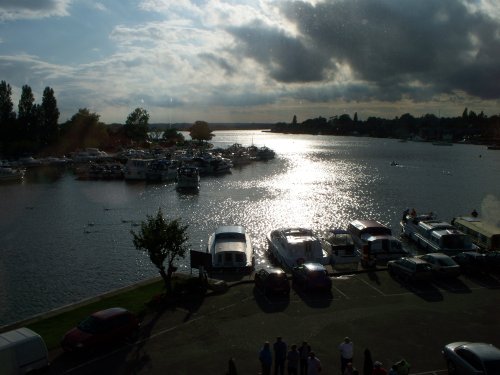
200, 131
163, 241
136, 126
49, 132
172, 136
82, 131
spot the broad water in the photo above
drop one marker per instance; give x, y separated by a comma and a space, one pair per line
62, 240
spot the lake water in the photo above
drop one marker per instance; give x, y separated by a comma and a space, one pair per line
63, 239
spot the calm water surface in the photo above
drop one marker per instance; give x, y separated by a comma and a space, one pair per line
63, 240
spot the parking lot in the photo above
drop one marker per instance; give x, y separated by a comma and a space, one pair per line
392, 319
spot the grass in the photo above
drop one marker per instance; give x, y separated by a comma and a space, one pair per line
135, 300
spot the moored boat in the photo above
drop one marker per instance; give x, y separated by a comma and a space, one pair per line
484, 234
11, 174
231, 249
136, 169
374, 242
434, 235
294, 246
342, 247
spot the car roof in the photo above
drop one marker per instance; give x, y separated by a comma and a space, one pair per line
314, 266
274, 270
437, 255
414, 259
108, 313
483, 350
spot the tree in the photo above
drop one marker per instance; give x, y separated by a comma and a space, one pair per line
294, 120
82, 131
7, 118
136, 126
163, 240
172, 136
200, 131
49, 128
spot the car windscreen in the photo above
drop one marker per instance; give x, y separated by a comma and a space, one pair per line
92, 325
446, 262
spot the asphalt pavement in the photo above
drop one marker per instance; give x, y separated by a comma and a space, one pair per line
392, 319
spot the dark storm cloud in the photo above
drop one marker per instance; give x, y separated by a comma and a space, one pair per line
219, 62
417, 49
287, 59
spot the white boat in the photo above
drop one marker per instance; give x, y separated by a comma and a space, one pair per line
483, 233
11, 174
188, 178
162, 170
343, 250
374, 242
434, 235
231, 249
294, 246
136, 169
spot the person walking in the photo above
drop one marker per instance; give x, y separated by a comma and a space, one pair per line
304, 351
293, 358
367, 363
279, 356
313, 364
346, 349
266, 358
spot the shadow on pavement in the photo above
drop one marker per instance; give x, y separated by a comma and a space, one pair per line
314, 299
271, 303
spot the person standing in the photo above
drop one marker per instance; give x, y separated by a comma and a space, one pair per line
367, 363
279, 356
313, 364
266, 358
293, 358
304, 351
346, 349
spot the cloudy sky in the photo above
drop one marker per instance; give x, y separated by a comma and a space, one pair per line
254, 60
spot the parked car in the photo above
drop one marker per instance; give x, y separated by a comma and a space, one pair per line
101, 329
272, 281
442, 265
464, 358
410, 269
475, 262
311, 276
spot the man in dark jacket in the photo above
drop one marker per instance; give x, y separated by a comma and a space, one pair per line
280, 349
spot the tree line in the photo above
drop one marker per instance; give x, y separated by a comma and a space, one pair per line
35, 128
470, 126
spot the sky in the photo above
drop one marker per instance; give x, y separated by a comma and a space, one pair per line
254, 60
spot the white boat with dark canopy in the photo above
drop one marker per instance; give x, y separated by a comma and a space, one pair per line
231, 249
434, 235
342, 247
188, 178
294, 246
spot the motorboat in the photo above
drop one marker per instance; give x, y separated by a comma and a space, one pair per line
188, 178
433, 235
231, 249
136, 169
162, 170
483, 233
294, 246
375, 243
11, 174
342, 247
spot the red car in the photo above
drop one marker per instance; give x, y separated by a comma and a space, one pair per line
101, 329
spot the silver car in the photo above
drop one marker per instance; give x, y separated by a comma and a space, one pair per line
442, 265
472, 358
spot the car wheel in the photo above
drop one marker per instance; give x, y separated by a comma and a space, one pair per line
452, 370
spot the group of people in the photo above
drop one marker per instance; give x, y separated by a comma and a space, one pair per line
301, 360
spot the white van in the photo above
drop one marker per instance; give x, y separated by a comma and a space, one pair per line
22, 351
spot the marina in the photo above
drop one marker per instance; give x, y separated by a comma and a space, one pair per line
65, 239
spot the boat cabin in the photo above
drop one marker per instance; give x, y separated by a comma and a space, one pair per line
231, 247
483, 234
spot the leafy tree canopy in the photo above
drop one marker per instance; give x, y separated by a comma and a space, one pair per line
163, 241
136, 126
200, 131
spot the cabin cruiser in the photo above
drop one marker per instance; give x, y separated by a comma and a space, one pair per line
342, 247
135, 169
162, 170
374, 242
231, 249
483, 233
188, 178
434, 235
294, 246
11, 174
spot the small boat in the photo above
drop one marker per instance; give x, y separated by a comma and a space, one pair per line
162, 170
294, 246
231, 249
136, 169
436, 236
265, 153
11, 174
188, 178
342, 247
374, 242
